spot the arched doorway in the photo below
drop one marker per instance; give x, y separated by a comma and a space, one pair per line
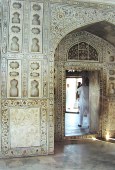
95, 66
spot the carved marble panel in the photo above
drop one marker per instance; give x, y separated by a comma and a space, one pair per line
15, 26
25, 127
111, 80
14, 79
111, 116
36, 21
34, 77
27, 121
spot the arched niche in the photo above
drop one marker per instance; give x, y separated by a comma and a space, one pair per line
61, 63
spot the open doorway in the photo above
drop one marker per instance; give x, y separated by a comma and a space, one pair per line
71, 92
72, 114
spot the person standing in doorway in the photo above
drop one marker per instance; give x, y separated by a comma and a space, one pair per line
77, 95
83, 92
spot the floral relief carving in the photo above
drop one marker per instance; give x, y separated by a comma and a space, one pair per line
35, 30
77, 16
14, 65
16, 5
13, 73
29, 121
34, 66
15, 29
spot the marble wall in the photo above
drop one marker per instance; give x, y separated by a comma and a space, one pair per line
26, 104
25, 127
31, 31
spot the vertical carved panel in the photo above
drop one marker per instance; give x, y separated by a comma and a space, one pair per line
111, 116
14, 79
34, 88
15, 26
36, 18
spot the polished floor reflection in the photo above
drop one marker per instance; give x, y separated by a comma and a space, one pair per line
71, 125
71, 155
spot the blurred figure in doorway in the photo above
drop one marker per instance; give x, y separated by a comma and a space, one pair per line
77, 95
83, 92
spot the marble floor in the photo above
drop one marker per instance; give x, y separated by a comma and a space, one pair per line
71, 125
69, 155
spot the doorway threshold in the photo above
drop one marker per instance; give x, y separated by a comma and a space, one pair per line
81, 137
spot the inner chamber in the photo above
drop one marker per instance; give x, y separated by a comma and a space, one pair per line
72, 114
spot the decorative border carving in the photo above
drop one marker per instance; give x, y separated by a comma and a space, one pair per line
62, 64
64, 15
6, 147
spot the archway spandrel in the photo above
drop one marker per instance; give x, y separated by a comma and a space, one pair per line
65, 19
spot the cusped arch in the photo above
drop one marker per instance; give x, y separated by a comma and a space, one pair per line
95, 44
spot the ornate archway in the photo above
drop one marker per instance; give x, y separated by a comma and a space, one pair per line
64, 61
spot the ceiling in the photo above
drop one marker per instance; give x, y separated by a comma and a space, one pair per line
103, 30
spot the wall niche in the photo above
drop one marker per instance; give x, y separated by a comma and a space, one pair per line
34, 87
14, 79
36, 20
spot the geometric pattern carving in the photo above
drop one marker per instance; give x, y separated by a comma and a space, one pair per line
36, 17
82, 51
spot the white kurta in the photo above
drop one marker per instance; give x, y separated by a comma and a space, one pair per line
83, 91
